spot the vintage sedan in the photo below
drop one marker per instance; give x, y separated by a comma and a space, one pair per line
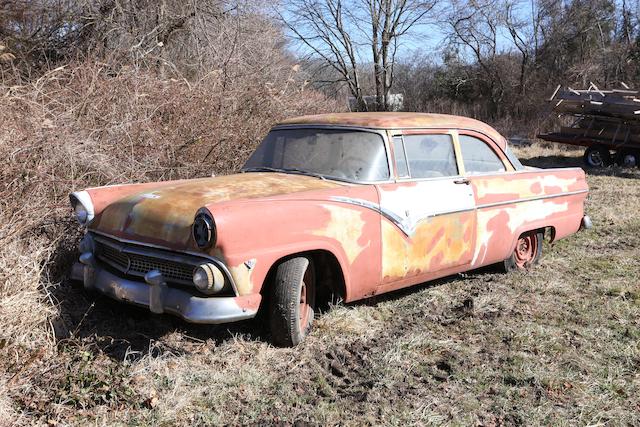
352, 204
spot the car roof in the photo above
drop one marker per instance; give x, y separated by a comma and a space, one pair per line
389, 120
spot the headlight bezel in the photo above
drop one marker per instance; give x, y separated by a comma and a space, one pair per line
213, 279
83, 207
203, 229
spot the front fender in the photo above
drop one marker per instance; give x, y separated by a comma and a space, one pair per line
254, 235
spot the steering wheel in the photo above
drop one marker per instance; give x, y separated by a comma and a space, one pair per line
352, 166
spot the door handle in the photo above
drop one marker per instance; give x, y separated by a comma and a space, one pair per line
462, 181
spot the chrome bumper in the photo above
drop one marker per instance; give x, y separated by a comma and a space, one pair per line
157, 296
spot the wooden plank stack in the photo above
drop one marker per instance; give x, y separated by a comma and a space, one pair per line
608, 117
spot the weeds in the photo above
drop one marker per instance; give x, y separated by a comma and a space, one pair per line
555, 346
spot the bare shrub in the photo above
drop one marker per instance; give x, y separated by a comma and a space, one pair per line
85, 125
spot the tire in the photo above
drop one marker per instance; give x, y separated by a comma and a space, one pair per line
597, 156
526, 253
293, 298
627, 158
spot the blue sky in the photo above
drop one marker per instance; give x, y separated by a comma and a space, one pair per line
428, 39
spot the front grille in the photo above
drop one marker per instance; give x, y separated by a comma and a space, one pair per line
129, 260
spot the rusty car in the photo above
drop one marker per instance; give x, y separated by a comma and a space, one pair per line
348, 204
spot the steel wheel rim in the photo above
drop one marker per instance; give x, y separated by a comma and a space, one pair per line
629, 160
595, 159
526, 250
304, 304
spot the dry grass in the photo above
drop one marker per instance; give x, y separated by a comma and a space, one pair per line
558, 345
89, 124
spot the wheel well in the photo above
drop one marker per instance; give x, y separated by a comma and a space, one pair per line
549, 231
329, 276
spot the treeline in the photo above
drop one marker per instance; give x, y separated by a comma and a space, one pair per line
502, 60
496, 60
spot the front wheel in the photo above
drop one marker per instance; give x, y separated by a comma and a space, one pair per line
292, 301
526, 253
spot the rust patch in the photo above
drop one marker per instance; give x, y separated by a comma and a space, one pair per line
346, 226
165, 214
437, 243
388, 120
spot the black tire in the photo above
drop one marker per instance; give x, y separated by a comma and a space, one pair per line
597, 156
628, 158
294, 282
516, 261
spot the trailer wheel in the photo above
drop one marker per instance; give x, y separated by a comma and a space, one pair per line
597, 156
627, 158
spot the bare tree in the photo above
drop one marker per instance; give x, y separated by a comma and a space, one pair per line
475, 24
341, 31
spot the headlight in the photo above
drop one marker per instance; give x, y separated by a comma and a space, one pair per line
208, 278
204, 229
81, 214
83, 206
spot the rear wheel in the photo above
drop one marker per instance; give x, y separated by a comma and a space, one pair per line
597, 156
293, 301
526, 253
627, 158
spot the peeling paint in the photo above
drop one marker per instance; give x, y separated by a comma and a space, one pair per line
345, 226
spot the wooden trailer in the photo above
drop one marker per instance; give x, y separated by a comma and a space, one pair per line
607, 122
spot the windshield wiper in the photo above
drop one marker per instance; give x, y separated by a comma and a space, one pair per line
261, 169
303, 172
284, 170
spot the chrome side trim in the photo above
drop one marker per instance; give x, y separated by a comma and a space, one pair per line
531, 199
406, 225
395, 219
173, 255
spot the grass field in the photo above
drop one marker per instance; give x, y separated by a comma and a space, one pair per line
559, 345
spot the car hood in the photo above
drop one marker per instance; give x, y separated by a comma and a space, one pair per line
164, 215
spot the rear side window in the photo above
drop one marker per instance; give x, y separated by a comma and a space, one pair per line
430, 156
478, 157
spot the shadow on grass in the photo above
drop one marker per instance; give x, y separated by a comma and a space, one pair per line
122, 331
403, 292
547, 162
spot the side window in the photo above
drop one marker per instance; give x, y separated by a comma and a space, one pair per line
401, 160
513, 159
430, 156
478, 157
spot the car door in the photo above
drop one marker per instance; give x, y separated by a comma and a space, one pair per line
495, 183
430, 213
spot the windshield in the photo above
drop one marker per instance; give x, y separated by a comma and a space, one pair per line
331, 153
